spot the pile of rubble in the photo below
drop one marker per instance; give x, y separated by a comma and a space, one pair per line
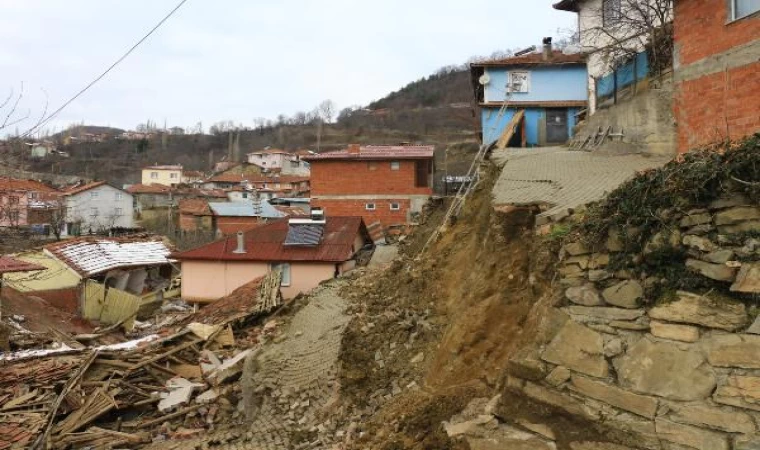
166, 386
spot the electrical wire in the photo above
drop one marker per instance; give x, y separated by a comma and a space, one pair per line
106, 72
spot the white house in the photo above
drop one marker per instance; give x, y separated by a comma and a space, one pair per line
96, 207
279, 161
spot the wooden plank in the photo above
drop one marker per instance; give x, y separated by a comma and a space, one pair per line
510, 129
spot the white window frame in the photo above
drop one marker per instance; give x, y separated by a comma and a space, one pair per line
525, 87
735, 10
93, 194
118, 196
173, 175
395, 165
370, 206
394, 206
286, 279
118, 212
154, 175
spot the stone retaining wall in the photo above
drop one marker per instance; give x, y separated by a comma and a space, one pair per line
678, 373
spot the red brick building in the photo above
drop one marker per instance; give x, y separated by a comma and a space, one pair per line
717, 43
379, 183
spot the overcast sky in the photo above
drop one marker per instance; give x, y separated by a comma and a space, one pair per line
241, 59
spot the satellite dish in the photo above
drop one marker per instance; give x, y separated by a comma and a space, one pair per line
484, 79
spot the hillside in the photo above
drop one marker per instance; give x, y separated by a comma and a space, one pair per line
448, 86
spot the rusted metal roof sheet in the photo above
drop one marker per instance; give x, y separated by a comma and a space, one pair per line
381, 152
9, 264
94, 256
535, 59
14, 184
267, 243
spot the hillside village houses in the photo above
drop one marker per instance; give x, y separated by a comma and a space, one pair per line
96, 207
280, 161
548, 88
168, 175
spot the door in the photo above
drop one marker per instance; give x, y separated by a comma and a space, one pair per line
556, 126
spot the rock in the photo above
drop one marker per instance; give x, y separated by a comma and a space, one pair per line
606, 313
739, 390
571, 271
599, 275
736, 215
207, 397
558, 376
638, 404
700, 229
613, 347
578, 348
718, 272
694, 219
538, 428
677, 372
614, 243
527, 364
626, 294
585, 295
576, 249
663, 240
700, 243
490, 407
748, 279
632, 326
725, 419
730, 201
690, 436
589, 445
722, 313
559, 400
458, 429
743, 227
599, 260
674, 332
719, 256
418, 358
755, 327
580, 261
747, 443
734, 350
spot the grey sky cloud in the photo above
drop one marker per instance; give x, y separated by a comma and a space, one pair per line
241, 59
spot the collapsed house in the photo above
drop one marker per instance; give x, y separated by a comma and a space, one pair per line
109, 280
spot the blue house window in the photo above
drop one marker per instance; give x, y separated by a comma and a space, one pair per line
518, 82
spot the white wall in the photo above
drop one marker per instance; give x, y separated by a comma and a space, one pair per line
114, 209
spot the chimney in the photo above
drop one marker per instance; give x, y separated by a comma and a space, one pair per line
354, 149
548, 52
240, 243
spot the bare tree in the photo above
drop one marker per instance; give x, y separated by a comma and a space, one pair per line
327, 110
619, 29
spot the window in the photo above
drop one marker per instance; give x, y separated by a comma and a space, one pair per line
518, 82
13, 200
33, 195
610, 12
94, 212
118, 212
369, 206
395, 165
173, 175
93, 194
285, 271
743, 8
118, 196
371, 165
154, 175
395, 207
245, 195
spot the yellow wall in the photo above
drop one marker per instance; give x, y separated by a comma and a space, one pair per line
164, 176
57, 276
204, 281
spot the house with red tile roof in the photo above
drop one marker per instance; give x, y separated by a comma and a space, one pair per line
380, 183
277, 160
267, 186
22, 200
96, 207
307, 250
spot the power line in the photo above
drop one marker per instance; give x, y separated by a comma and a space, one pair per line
109, 69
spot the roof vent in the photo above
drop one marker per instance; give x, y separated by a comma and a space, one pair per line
240, 243
547, 48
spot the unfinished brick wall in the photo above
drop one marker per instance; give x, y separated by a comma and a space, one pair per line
718, 90
364, 178
382, 212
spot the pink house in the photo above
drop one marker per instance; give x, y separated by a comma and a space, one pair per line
306, 250
19, 199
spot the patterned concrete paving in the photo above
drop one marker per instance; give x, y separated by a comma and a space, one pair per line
563, 179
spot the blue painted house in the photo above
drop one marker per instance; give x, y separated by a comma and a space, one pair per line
550, 86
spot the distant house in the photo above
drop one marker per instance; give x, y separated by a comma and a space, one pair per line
26, 203
195, 215
716, 70
150, 196
279, 161
231, 217
307, 251
268, 186
549, 88
192, 177
389, 184
168, 175
96, 208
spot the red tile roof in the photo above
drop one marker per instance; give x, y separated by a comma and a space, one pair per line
378, 152
10, 264
194, 206
266, 243
149, 189
77, 188
255, 178
13, 184
536, 59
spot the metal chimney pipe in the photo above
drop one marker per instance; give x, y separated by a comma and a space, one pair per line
240, 243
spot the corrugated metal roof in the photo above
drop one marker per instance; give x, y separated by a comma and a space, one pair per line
378, 152
245, 209
266, 243
94, 256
